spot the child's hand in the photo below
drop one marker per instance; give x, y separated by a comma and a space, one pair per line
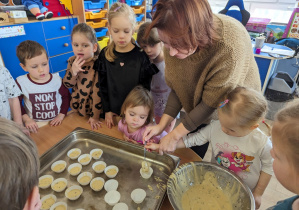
31, 125
258, 200
152, 146
109, 119
57, 120
129, 140
76, 67
94, 123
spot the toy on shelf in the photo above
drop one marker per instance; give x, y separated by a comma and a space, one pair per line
37, 8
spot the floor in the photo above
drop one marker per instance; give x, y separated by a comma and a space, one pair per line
275, 191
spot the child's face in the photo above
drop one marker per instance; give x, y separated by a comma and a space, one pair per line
282, 167
153, 51
38, 68
136, 117
230, 127
121, 30
83, 47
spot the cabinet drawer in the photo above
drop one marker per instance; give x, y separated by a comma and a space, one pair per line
59, 45
59, 62
57, 28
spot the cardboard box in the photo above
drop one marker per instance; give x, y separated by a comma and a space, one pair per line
18, 20
3, 18
17, 14
257, 24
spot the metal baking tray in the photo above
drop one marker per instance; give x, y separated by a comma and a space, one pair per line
126, 156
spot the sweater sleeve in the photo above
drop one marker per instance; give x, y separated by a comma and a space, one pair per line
66, 98
103, 82
227, 70
173, 105
197, 116
69, 80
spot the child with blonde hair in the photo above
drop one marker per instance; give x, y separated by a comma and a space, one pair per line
137, 113
122, 64
237, 142
19, 169
285, 140
81, 75
153, 47
44, 95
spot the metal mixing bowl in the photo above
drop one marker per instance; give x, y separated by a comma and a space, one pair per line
183, 178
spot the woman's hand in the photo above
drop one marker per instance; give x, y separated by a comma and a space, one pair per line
94, 123
151, 131
57, 120
109, 119
76, 67
168, 144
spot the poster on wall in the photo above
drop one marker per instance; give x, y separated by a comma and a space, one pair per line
294, 27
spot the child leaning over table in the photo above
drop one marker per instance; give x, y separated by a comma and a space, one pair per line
9, 102
19, 169
285, 139
137, 113
45, 97
237, 142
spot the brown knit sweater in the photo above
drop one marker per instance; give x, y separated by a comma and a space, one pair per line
202, 79
85, 89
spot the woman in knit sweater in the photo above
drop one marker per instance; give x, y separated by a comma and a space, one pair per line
206, 56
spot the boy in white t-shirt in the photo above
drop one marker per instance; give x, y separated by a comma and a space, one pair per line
45, 96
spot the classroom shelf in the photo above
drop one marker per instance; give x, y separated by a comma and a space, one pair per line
138, 10
103, 42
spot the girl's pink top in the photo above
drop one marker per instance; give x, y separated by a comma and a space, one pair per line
137, 135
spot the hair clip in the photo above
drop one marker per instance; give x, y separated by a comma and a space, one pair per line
117, 8
222, 104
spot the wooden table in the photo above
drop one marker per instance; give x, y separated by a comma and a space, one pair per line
48, 136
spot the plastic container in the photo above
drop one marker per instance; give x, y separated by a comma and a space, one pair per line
74, 153
97, 184
101, 32
103, 42
138, 9
257, 24
134, 2
111, 171
139, 17
58, 185
84, 159
94, 5
84, 178
59, 205
111, 184
280, 89
138, 195
112, 197
97, 23
95, 14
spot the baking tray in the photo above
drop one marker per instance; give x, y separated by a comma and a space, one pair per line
126, 156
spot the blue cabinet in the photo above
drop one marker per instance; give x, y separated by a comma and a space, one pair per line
53, 35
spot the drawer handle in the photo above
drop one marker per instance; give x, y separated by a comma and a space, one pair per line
66, 44
63, 27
